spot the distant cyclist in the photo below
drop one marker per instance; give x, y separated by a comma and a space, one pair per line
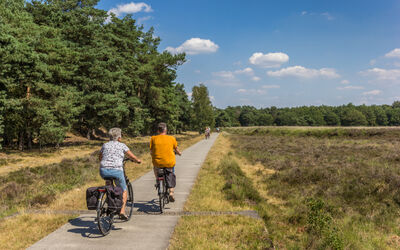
163, 148
207, 132
111, 158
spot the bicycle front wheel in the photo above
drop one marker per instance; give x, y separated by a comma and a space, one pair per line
130, 202
104, 218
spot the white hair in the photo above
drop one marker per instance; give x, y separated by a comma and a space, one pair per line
115, 134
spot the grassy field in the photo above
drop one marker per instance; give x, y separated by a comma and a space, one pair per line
315, 188
59, 186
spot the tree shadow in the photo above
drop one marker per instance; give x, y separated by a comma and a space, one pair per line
87, 227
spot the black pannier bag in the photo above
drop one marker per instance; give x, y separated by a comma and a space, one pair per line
171, 178
92, 195
114, 198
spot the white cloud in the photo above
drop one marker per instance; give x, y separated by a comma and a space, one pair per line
130, 8
251, 91
345, 82
246, 71
372, 62
231, 75
382, 74
350, 87
270, 60
393, 54
302, 72
141, 20
373, 92
225, 82
328, 16
224, 74
270, 86
255, 78
195, 46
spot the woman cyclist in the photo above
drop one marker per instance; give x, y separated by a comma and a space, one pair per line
111, 158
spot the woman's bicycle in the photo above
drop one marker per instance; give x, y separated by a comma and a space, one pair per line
161, 185
106, 214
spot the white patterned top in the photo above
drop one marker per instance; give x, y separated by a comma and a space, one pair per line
113, 153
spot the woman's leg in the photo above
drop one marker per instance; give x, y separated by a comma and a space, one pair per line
124, 199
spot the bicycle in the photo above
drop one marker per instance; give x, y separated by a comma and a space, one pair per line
161, 185
105, 215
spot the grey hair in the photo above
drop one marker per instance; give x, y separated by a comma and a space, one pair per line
114, 134
162, 126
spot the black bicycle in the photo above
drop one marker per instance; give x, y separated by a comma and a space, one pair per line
105, 214
163, 194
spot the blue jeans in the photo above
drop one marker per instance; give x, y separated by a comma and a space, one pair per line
114, 173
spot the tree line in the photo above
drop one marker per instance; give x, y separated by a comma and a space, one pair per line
345, 115
66, 65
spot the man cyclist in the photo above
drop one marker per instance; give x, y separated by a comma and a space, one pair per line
163, 148
111, 159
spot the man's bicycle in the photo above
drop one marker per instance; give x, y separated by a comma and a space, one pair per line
161, 185
106, 214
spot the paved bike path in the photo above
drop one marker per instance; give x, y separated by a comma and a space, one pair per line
147, 229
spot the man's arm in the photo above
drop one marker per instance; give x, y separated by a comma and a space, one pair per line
176, 150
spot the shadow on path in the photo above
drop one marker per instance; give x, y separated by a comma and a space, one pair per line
86, 227
148, 207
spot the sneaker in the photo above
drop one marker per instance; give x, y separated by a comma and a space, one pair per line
123, 217
171, 198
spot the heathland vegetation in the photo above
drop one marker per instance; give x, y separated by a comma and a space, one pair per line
314, 188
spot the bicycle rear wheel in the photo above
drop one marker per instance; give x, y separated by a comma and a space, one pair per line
104, 218
161, 194
129, 202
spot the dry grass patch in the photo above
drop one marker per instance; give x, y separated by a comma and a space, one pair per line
207, 194
22, 231
219, 232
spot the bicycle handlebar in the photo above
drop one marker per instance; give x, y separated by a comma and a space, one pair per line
128, 159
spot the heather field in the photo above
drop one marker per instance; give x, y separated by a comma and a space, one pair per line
313, 188
325, 188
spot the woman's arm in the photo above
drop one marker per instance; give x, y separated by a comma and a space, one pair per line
132, 156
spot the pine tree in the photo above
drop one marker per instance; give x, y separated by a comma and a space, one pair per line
203, 115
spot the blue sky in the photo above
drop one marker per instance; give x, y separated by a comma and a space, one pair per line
280, 53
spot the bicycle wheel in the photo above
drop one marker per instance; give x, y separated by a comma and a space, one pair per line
130, 202
104, 218
161, 194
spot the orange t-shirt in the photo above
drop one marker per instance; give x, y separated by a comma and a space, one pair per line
162, 150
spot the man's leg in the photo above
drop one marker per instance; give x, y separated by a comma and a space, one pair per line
171, 190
